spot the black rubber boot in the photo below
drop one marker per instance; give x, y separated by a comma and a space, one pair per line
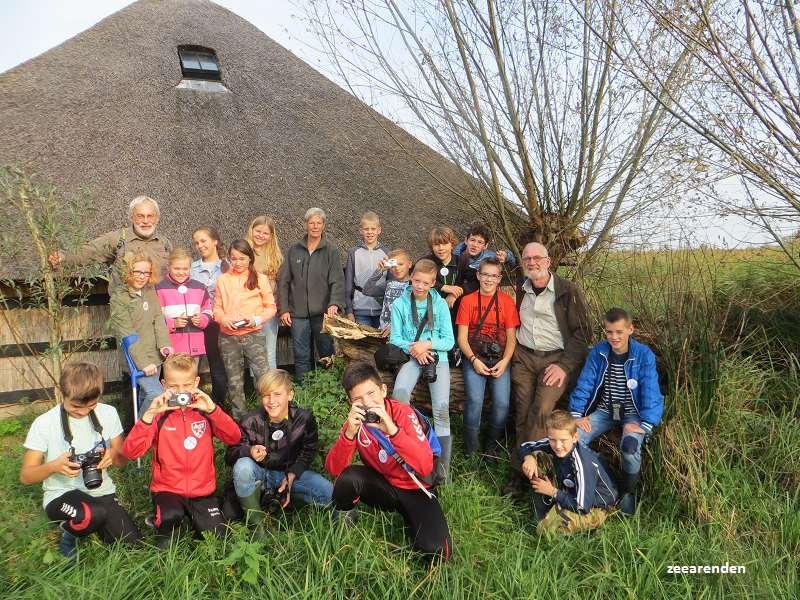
627, 502
443, 468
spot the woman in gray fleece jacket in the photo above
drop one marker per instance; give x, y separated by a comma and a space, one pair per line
310, 284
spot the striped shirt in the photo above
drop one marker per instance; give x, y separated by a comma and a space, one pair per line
615, 386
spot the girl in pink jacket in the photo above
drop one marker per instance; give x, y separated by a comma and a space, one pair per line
185, 303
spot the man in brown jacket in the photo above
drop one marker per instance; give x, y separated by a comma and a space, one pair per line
111, 248
552, 342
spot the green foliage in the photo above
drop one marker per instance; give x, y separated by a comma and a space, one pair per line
9, 426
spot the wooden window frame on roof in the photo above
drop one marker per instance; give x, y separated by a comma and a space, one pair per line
198, 53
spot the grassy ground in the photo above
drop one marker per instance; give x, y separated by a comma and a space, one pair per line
722, 486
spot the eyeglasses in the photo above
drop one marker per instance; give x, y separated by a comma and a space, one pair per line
489, 276
141, 273
535, 258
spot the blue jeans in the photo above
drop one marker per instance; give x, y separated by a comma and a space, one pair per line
368, 319
312, 487
406, 381
474, 386
630, 444
270, 331
149, 387
306, 335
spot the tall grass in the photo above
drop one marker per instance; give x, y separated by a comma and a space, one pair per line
721, 485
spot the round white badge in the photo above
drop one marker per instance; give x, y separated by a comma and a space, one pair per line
277, 435
145, 305
382, 456
444, 271
182, 289
190, 443
632, 384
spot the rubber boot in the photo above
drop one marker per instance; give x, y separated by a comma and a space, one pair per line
471, 443
443, 467
345, 517
68, 544
253, 515
627, 502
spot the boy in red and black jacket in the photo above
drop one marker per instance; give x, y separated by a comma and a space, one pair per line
184, 478
381, 481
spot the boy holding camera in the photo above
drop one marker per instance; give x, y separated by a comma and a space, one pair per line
381, 481
179, 425
278, 444
421, 328
618, 387
487, 321
68, 449
388, 281
362, 260
571, 488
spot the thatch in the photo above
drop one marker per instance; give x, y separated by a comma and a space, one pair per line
102, 112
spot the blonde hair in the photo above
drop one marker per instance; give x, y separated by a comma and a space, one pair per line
425, 265
370, 217
81, 382
562, 420
179, 254
132, 259
180, 361
273, 258
273, 379
400, 252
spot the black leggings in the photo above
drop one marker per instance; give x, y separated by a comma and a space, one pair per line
170, 510
83, 514
219, 378
423, 516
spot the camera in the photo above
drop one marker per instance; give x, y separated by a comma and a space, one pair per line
272, 500
391, 262
489, 353
369, 416
180, 399
92, 476
239, 324
428, 370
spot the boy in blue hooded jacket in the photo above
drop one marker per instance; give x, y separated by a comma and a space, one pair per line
618, 387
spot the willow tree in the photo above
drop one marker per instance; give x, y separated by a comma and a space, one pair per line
562, 143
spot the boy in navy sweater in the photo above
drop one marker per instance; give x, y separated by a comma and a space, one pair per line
572, 489
618, 387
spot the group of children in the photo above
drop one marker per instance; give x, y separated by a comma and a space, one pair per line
446, 309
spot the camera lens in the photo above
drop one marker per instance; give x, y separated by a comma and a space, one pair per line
92, 477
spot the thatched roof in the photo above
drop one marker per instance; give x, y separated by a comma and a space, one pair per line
102, 111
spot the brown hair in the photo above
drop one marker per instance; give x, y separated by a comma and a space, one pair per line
616, 314
357, 373
272, 379
131, 260
425, 265
180, 361
214, 235
81, 382
442, 235
243, 247
561, 419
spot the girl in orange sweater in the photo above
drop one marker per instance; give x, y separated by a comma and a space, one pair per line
243, 302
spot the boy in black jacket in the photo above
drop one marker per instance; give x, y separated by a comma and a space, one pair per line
278, 443
572, 489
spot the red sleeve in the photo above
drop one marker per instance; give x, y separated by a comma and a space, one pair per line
140, 439
411, 442
224, 427
340, 454
464, 310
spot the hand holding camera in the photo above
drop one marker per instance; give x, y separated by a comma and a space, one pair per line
64, 465
377, 415
180, 322
89, 465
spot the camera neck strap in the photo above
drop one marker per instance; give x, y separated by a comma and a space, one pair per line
428, 316
482, 320
68, 432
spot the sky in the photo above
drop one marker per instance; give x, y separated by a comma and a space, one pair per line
30, 27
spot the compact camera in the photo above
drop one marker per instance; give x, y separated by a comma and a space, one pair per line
239, 324
391, 262
180, 399
369, 416
92, 476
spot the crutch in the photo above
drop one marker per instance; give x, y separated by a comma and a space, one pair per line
127, 342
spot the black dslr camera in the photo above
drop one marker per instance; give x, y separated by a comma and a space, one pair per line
429, 369
92, 476
489, 353
369, 416
272, 500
